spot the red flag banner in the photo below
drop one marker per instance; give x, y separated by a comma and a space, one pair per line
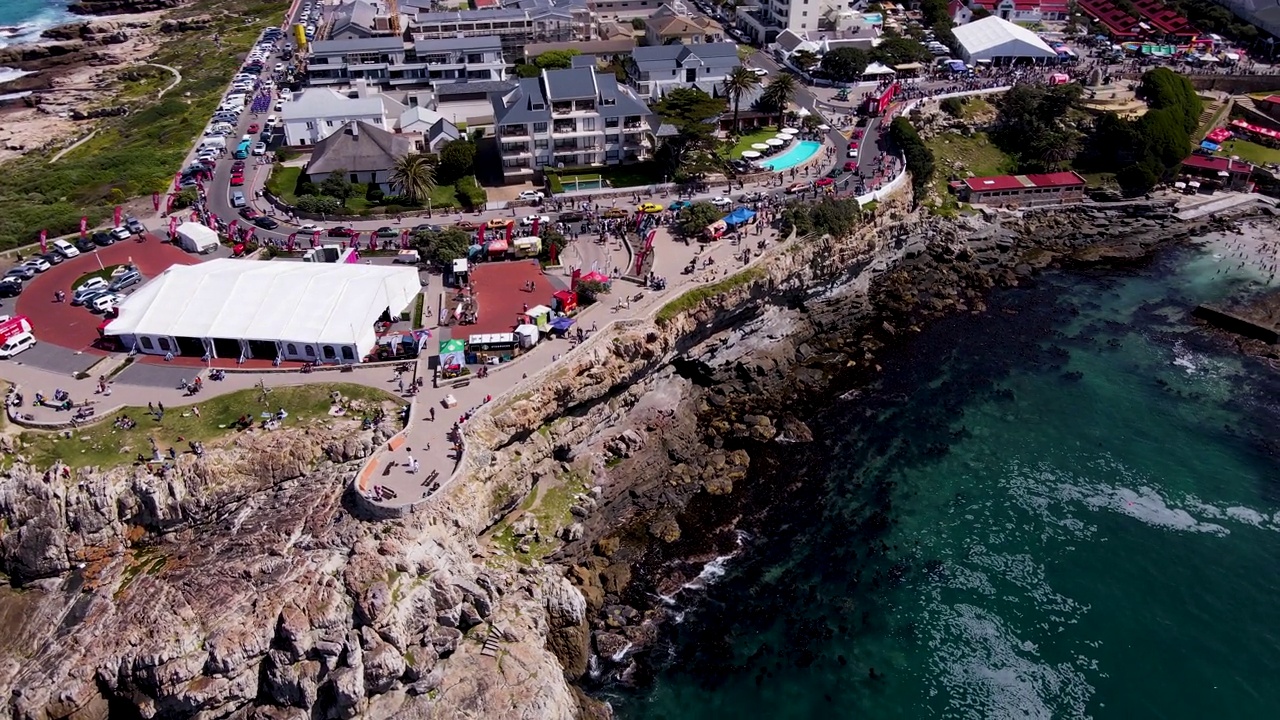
315, 238
534, 231
115, 217
195, 216
168, 207
44, 239
480, 235
155, 201
84, 227
510, 228
292, 238
231, 229
177, 182
173, 226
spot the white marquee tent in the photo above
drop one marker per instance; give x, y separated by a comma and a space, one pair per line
1000, 42
240, 308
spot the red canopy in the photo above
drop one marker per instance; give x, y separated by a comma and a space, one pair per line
595, 276
497, 245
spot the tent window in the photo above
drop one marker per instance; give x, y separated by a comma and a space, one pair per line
328, 352
146, 343
347, 353
164, 344
311, 352
291, 349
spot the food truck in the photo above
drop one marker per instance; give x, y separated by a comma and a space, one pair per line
526, 247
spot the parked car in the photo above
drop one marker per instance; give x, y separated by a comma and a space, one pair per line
534, 195
751, 197
527, 220
339, 231
650, 207
37, 264
571, 216
253, 128
853, 153
237, 199
85, 245
51, 257
797, 187
260, 148
104, 302
759, 72
64, 248
121, 233
615, 213
265, 222
851, 165
16, 344
103, 239
721, 201
386, 232
465, 225
676, 206
310, 228
88, 288
22, 272
248, 213
129, 278
428, 227
135, 225
237, 166
497, 223
10, 287
237, 179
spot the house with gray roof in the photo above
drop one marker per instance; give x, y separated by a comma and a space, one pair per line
365, 153
315, 113
394, 63
570, 118
515, 27
354, 20
655, 71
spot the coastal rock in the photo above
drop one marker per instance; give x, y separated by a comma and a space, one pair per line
187, 24
120, 7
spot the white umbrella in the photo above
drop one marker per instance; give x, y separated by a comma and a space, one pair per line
751, 154
824, 127
759, 146
774, 142
789, 131
803, 112
781, 136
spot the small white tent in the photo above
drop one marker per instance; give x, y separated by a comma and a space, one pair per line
196, 238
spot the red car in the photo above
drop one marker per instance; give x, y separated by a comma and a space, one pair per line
853, 145
253, 129
237, 179
851, 165
824, 182
237, 166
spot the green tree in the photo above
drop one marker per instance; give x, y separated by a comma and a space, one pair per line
737, 83
551, 238
185, 198
918, 156
806, 60
415, 176
695, 218
778, 94
457, 159
443, 246
1163, 89
589, 291
844, 64
898, 50
691, 109
935, 12
556, 59
526, 70
337, 185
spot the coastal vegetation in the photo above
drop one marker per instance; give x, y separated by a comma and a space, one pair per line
103, 444
696, 296
837, 217
919, 158
135, 154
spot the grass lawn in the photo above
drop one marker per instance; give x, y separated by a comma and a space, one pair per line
283, 182
959, 156
976, 107
138, 153
746, 141
444, 196
1250, 152
633, 175
1099, 180
102, 444
549, 502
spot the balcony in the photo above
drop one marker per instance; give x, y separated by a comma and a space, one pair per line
565, 127
513, 131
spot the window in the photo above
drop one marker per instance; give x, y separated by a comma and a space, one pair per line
613, 121
347, 353
329, 354
311, 125
164, 344
540, 144
311, 352
539, 127
291, 349
146, 343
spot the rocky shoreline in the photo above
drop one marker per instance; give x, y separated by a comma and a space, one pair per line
243, 584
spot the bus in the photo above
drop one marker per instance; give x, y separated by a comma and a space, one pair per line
242, 151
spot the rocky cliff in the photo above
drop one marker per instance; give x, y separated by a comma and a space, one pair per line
238, 584
121, 7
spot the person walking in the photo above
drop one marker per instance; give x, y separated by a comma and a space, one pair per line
412, 465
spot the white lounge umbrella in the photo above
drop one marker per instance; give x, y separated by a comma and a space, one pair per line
824, 127
751, 154
775, 142
781, 136
790, 131
803, 112
759, 146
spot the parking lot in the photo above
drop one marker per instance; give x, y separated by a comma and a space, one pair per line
56, 359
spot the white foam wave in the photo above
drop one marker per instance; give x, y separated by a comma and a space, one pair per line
28, 31
8, 74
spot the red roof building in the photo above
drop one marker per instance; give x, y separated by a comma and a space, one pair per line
1024, 190
1119, 23
1218, 171
1167, 21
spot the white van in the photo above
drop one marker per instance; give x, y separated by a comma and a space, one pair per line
16, 344
65, 249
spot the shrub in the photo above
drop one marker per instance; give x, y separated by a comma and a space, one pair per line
307, 188
185, 199
319, 204
284, 153
373, 194
553, 181
470, 194
952, 106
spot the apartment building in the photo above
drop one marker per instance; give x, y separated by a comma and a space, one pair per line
392, 62
316, 113
769, 18
514, 27
570, 118
656, 70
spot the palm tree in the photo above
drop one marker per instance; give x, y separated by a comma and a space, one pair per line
415, 176
738, 83
778, 93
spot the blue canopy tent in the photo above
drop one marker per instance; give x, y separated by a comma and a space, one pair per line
474, 250
1210, 146
562, 323
956, 66
738, 217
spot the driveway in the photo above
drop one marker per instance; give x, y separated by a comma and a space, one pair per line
52, 358
154, 375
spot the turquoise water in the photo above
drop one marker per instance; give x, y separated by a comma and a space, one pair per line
794, 155
29, 18
1067, 507
873, 18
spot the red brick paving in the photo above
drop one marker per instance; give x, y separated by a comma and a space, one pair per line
75, 327
501, 297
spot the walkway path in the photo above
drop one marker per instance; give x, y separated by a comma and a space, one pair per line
72, 146
177, 78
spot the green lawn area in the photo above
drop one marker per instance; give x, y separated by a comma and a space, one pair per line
975, 107
102, 444
138, 153
283, 182
549, 502
633, 175
746, 141
1250, 152
1099, 180
958, 156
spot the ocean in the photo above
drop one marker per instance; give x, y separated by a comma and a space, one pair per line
1065, 507
22, 21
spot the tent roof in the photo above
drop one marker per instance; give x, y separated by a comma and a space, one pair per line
995, 37
244, 300
739, 216
877, 68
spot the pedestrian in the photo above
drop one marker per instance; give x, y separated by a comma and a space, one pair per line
433, 414
411, 464
160, 407
196, 410
151, 408
400, 384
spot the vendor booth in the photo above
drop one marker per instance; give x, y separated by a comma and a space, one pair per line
492, 348
565, 302
453, 358
527, 247
539, 316
528, 335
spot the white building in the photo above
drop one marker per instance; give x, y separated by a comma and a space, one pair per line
393, 63
1000, 42
301, 311
769, 18
316, 113
656, 70
570, 118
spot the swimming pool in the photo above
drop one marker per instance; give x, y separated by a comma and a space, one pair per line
873, 18
793, 157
